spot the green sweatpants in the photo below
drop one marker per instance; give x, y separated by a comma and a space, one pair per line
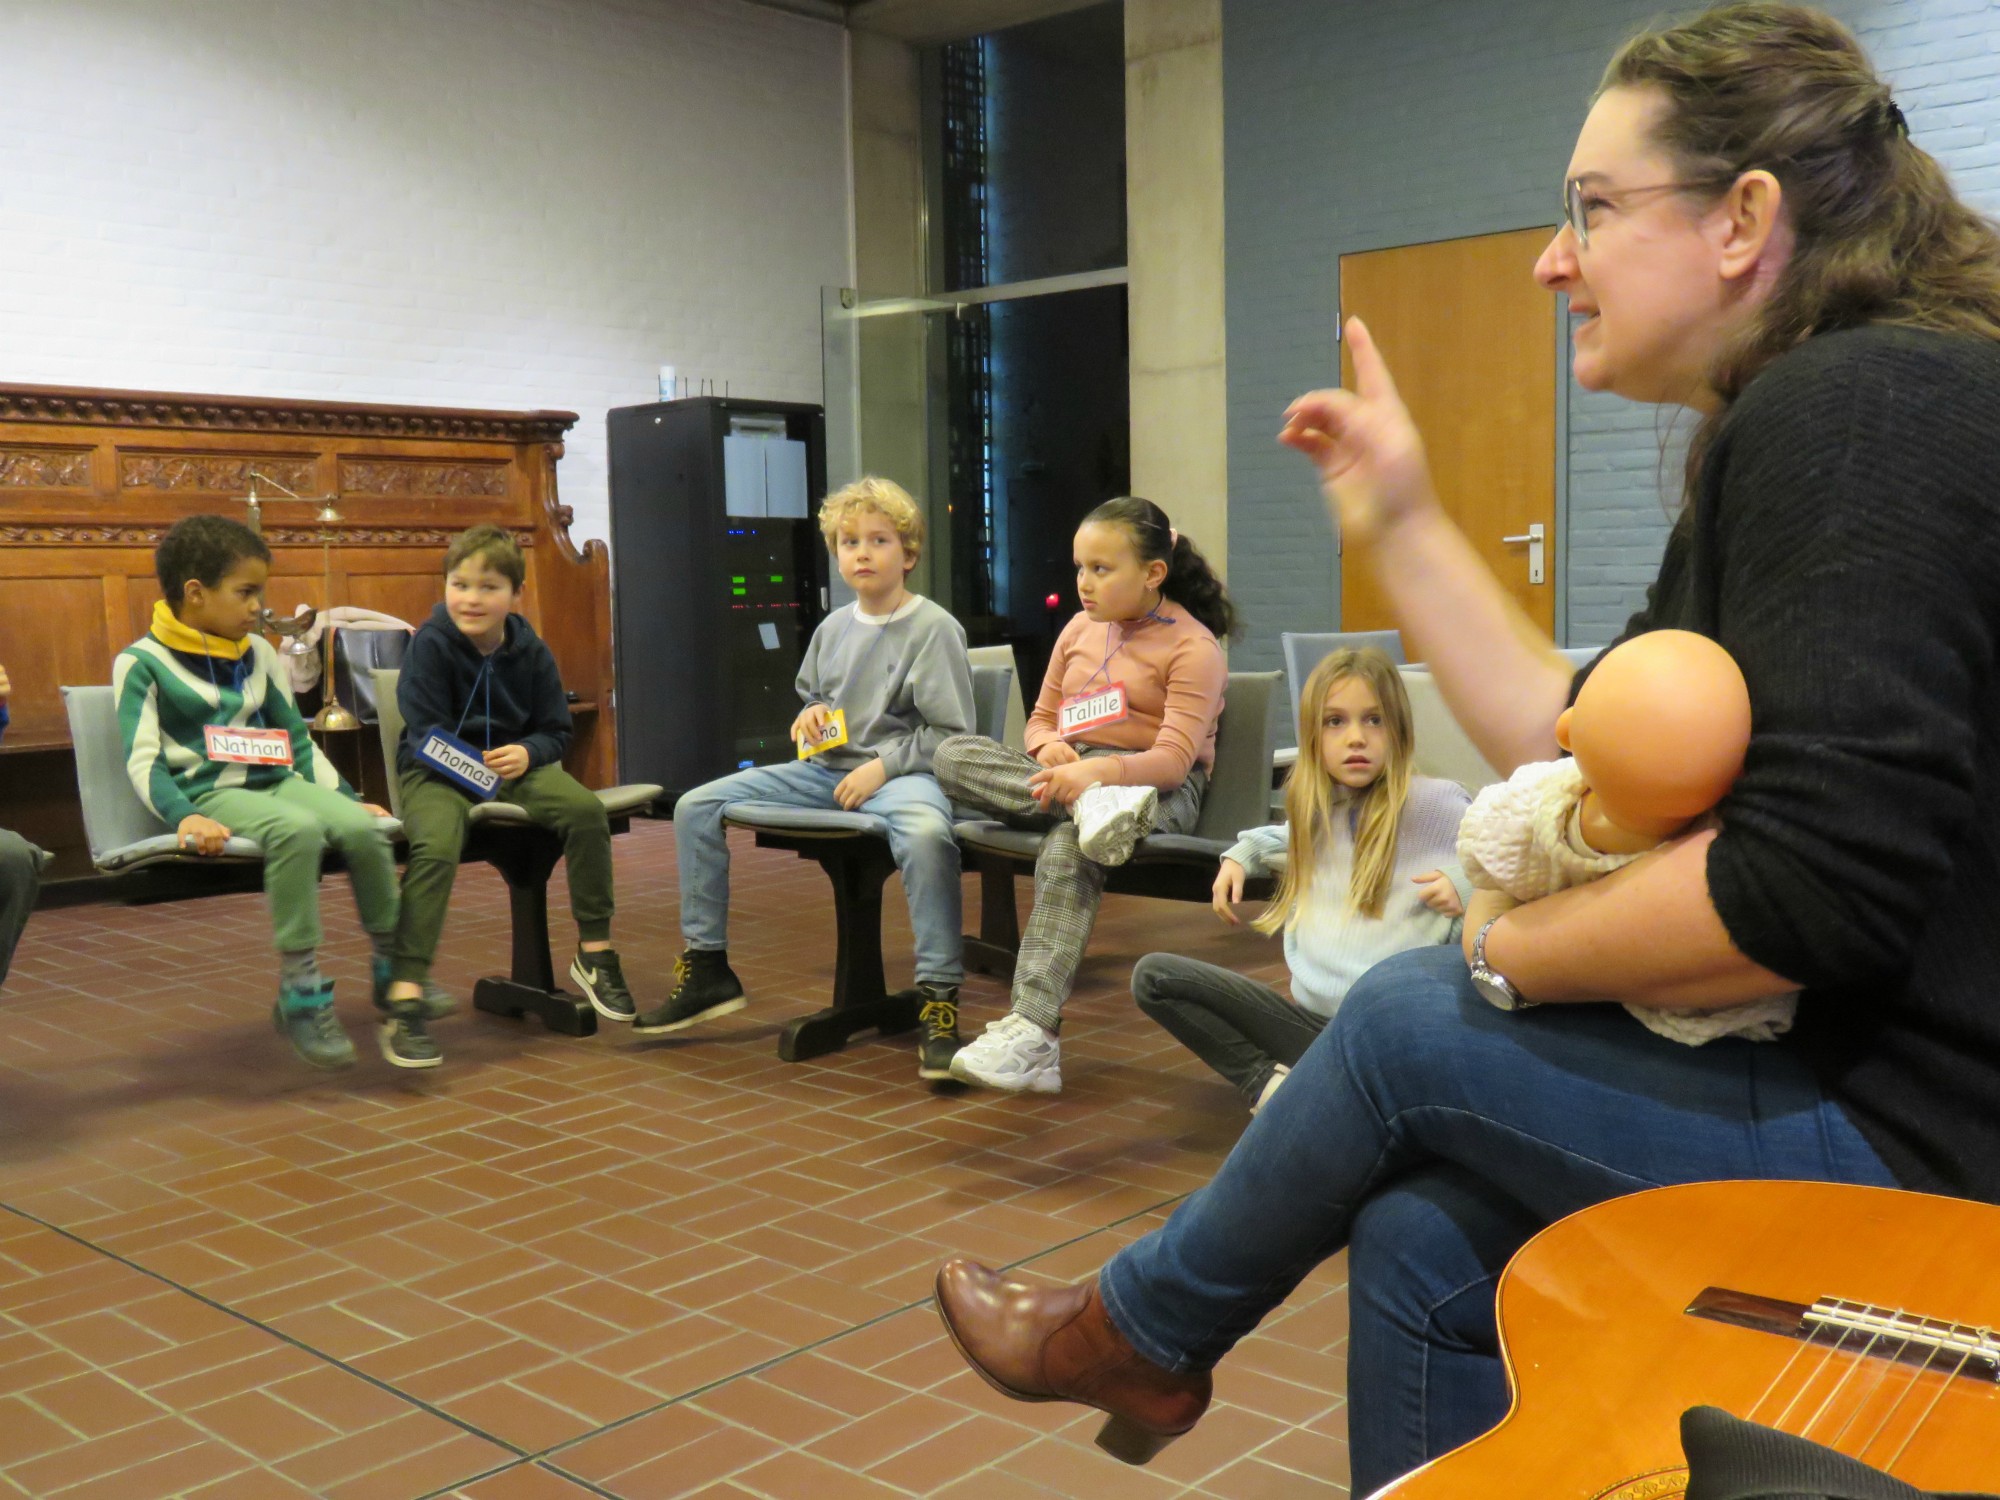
434, 818
297, 821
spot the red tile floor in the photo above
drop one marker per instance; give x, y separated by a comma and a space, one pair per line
556, 1268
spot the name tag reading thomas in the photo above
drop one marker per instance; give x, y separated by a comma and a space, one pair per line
832, 734
1091, 710
459, 763
248, 747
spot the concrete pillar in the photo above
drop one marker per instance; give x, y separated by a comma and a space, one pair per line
1173, 236
889, 255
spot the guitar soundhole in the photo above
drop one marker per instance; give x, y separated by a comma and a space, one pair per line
1661, 1484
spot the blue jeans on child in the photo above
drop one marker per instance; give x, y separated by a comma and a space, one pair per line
1432, 1135
920, 838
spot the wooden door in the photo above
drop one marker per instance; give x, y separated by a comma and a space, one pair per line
1470, 338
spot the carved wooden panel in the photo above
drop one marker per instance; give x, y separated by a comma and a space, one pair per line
210, 473
40, 660
22, 467
407, 596
415, 478
142, 592
98, 408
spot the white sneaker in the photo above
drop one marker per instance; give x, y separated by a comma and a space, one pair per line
1012, 1054
1279, 1072
1110, 821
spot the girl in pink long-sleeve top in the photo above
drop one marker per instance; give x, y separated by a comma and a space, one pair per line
1120, 745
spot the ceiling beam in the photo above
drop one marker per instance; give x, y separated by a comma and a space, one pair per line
951, 20
818, 10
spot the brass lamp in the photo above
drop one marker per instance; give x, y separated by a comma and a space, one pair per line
333, 715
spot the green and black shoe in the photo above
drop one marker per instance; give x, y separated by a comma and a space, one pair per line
704, 987
938, 1016
603, 984
305, 1018
403, 1038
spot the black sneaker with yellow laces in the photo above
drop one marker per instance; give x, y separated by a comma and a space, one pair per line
704, 987
937, 1014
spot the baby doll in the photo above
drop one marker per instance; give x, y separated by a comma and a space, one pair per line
1656, 736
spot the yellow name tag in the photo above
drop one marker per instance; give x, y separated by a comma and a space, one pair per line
833, 733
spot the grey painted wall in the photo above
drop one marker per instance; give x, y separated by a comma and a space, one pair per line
1353, 125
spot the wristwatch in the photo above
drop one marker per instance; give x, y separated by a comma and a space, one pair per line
1496, 989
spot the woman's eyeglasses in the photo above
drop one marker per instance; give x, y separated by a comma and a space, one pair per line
1577, 201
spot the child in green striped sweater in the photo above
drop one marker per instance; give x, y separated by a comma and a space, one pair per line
215, 747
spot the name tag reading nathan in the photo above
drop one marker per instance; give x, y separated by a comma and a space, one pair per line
248, 747
831, 735
459, 763
1091, 710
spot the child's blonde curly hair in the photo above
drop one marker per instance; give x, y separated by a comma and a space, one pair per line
887, 499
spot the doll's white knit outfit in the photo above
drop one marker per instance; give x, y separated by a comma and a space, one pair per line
1524, 836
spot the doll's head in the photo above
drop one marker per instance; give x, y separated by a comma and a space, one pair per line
1659, 730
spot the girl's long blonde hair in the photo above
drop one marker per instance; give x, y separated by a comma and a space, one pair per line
1313, 799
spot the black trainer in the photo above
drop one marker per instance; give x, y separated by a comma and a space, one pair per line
603, 984
403, 1038
704, 987
939, 1018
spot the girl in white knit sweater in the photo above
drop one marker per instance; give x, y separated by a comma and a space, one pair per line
1367, 859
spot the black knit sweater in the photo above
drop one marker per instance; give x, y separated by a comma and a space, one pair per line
1845, 547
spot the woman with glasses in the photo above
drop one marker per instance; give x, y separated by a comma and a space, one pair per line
1751, 233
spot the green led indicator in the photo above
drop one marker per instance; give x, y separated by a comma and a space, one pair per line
739, 593
777, 578
739, 578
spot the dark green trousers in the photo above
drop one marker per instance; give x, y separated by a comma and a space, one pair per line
434, 818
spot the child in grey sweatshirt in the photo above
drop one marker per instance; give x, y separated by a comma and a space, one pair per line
891, 670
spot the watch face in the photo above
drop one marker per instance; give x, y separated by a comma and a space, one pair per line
1495, 990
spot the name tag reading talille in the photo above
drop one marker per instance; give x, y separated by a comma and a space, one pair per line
1091, 710
248, 747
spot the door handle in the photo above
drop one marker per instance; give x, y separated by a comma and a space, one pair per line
1534, 537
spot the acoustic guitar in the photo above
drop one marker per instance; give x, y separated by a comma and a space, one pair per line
1862, 1318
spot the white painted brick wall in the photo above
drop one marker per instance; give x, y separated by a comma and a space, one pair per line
503, 203
1351, 125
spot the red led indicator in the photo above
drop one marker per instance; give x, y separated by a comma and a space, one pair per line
1053, 600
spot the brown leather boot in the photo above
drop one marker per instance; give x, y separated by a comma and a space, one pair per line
1039, 1345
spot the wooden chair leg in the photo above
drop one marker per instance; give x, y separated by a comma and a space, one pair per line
858, 868
525, 860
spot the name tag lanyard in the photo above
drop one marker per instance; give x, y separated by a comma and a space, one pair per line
1115, 691
485, 676
1104, 667
240, 687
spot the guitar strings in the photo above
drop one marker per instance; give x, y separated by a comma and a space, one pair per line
1916, 1376
1799, 1347
1883, 1366
1943, 1385
1825, 1359
1861, 1356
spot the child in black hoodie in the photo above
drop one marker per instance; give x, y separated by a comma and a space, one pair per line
481, 698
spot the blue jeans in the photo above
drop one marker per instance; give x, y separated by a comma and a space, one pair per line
1432, 1135
920, 838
